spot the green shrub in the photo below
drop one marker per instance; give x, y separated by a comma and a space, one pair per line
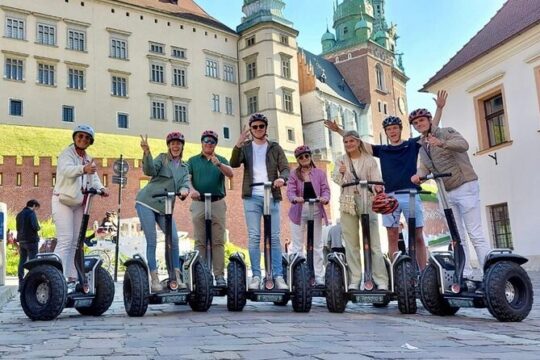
230, 249
12, 261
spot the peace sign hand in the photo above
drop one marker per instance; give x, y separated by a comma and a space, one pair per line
144, 144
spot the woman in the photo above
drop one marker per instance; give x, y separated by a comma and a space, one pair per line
308, 182
75, 171
168, 173
356, 163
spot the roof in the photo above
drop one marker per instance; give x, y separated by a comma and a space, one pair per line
187, 9
514, 18
334, 80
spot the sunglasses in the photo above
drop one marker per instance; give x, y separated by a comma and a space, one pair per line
83, 136
209, 141
258, 127
304, 156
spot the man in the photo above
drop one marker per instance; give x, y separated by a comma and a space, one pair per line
207, 171
334, 240
27, 235
263, 160
444, 150
398, 163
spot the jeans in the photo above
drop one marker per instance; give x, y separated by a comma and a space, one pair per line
27, 251
68, 223
253, 211
148, 219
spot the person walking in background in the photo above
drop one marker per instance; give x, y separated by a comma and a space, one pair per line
27, 235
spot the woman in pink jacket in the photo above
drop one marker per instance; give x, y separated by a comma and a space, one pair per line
307, 182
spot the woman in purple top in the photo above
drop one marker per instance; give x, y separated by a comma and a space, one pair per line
308, 182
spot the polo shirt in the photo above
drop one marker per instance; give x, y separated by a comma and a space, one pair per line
205, 176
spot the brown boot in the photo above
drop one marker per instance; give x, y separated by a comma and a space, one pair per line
181, 285
156, 286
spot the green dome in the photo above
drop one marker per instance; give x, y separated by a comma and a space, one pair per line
328, 36
362, 24
380, 35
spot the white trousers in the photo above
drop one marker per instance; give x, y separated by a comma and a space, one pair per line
465, 203
68, 222
299, 239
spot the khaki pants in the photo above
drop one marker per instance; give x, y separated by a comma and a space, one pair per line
219, 209
351, 228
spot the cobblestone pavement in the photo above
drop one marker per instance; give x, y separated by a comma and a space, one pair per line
265, 331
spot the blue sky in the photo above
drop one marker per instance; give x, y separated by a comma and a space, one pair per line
430, 31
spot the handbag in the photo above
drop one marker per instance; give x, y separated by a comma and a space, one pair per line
71, 201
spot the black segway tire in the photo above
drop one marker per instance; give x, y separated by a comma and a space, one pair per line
44, 293
336, 298
136, 290
431, 296
509, 292
405, 287
301, 290
104, 294
287, 297
201, 297
236, 286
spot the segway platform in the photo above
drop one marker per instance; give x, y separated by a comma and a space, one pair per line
179, 297
267, 295
369, 297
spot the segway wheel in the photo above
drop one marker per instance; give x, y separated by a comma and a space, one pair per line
136, 290
301, 290
44, 293
405, 287
431, 296
201, 297
104, 294
336, 298
287, 297
509, 292
236, 289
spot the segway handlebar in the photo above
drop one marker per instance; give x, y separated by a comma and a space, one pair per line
416, 192
362, 182
169, 193
92, 191
261, 184
435, 176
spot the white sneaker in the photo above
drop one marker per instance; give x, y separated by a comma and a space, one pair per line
280, 283
354, 286
255, 283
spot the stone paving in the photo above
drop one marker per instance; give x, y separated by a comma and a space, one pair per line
265, 331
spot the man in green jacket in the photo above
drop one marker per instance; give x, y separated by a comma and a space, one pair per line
263, 161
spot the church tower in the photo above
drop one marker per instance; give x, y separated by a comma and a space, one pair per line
364, 50
268, 70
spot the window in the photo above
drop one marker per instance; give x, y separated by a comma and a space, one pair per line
226, 133
119, 86
500, 226
284, 39
250, 41
380, 77
46, 34
179, 77
15, 28
379, 105
178, 53
211, 68
76, 79
228, 106
287, 101
180, 113
157, 73
215, 103
494, 110
253, 106
76, 40
290, 134
119, 49
228, 73
14, 69
158, 110
252, 70
286, 67
46, 74
157, 48
345, 30
491, 119
385, 108
15, 107
122, 120
68, 113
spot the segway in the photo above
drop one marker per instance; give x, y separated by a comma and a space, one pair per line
316, 290
45, 294
216, 290
336, 277
196, 276
299, 290
506, 288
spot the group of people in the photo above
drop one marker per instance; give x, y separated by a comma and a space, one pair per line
439, 149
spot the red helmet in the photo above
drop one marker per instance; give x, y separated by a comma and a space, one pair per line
210, 133
302, 149
384, 204
175, 135
258, 117
418, 113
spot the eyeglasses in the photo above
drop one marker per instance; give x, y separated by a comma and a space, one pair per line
304, 156
209, 141
258, 127
83, 136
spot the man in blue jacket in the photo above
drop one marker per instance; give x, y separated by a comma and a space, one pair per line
27, 235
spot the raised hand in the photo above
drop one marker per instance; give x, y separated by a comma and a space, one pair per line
144, 144
332, 125
342, 167
244, 136
440, 101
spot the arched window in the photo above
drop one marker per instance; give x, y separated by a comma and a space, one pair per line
380, 77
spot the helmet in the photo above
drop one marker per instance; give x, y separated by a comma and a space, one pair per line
175, 135
391, 120
418, 113
258, 117
302, 149
210, 133
384, 204
84, 129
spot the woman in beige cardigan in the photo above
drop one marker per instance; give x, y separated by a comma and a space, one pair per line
357, 160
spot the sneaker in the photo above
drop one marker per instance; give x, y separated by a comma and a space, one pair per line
280, 283
71, 286
353, 286
382, 287
319, 281
255, 283
181, 285
220, 281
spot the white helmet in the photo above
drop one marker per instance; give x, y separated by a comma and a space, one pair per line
84, 129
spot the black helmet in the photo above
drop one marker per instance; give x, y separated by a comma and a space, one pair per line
391, 120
